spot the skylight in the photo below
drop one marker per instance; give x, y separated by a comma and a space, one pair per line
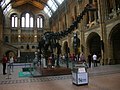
60, 1
7, 9
4, 3
48, 11
52, 6
6, 6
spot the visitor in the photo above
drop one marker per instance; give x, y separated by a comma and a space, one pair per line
94, 60
89, 60
11, 63
4, 61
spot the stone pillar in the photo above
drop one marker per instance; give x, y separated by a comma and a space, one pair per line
19, 35
114, 10
1, 33
19, 31
101, 9
1, 39
35, 36
82, 40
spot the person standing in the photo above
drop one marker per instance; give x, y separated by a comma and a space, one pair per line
82, 58
11, 62
4, 61
73, 59
53, 60
94, 59
89, 60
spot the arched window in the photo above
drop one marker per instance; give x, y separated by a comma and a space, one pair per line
6, 39
31, 21
23, 21
27, 20
14, 20
40, 21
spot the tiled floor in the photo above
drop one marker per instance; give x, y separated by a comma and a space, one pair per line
100, 78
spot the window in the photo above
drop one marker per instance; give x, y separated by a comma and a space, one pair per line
31, 22
5, 5
59, 1
48, 11
23, 21
52, 6
27, 20
6, 39
14, 20
40, 21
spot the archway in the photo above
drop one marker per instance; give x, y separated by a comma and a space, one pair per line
10, 53
115, 44
94, 44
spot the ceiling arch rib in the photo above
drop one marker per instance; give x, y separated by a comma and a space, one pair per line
37, 4
19, 3
32, 2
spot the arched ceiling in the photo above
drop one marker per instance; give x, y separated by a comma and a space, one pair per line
37, 3
49, 6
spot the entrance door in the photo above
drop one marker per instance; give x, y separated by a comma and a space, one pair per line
116, 47
94, 44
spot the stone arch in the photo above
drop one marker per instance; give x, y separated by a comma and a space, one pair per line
10, 53
30, 19
114, 45
93, 43
31, 13
64, 45
42, 17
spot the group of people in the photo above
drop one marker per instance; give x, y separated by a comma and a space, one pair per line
6, 60
93, 58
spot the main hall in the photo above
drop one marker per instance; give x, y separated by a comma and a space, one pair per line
48, 39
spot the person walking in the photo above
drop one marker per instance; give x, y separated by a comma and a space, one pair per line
4, 61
